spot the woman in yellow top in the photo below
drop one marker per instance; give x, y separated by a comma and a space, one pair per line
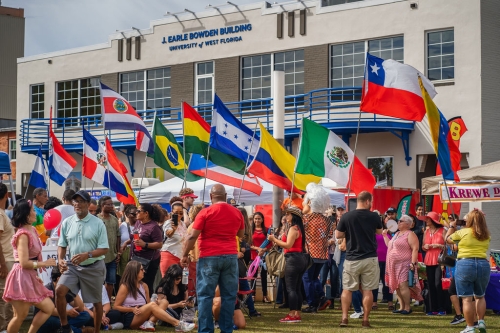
472, 272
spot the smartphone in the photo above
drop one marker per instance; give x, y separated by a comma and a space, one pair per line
270, 231
190, 299
175, 219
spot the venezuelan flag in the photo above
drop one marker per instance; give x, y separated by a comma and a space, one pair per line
275, 164
439, 129
197, 137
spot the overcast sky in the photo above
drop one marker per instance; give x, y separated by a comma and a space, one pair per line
53, 25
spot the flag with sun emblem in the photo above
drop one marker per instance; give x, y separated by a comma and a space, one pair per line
168, 153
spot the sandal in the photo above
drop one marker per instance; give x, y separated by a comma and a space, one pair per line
391, 307
265, 300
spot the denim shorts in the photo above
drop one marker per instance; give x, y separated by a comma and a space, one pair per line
472, 277
111, 272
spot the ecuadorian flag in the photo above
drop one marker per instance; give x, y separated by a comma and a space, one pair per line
439, 132
168, 153
275, 164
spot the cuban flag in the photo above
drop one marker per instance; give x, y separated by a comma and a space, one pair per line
392, 89
229, 135
61, 163
37, 178
95, 165
117, 113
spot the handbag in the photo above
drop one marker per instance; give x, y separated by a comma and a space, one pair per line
445, 259
445, 281
144, 262
275, 260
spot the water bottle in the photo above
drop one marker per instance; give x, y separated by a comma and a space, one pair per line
106, 327
185, 275
411, 277
154, 298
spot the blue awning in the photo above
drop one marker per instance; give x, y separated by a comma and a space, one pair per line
5, 163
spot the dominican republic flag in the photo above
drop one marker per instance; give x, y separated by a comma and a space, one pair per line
95, 165
37, 178
117, 113
392, 89
61, 163
223, 175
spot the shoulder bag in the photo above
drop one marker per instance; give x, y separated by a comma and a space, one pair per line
445, 259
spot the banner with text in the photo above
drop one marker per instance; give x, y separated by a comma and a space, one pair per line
464, 192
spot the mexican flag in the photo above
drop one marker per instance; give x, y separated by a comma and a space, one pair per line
322, 153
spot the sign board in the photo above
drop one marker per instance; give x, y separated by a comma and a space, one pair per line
465, 192
47, 253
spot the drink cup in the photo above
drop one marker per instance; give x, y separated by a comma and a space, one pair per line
137, 247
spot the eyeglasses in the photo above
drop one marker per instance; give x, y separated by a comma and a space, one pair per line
134, 214
138, 211
178, 278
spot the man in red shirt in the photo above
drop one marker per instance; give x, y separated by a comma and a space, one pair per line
216, 228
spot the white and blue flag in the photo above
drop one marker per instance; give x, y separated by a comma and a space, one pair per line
229, 135
38, 174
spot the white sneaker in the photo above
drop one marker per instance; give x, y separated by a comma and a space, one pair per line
469, 330
482, 326
184, 327
147, 326
357, 315
115, 326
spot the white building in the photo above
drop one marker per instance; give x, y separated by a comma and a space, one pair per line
321, 45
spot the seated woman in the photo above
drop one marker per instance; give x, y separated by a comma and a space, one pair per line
238, 317
134, 304
171, 289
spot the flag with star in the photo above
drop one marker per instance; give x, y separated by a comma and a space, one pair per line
230, 136
168, 154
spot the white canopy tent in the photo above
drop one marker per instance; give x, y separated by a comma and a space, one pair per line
162, 192
487, 172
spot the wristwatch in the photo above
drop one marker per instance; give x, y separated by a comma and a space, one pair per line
146, 246
89, 254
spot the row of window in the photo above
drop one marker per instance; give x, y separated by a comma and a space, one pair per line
151, 89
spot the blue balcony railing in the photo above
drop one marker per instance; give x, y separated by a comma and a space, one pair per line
336, 108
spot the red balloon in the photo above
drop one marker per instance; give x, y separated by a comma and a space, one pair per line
52, 218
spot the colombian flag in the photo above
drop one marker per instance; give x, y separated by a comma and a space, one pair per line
439, 129
197, 137
275, 165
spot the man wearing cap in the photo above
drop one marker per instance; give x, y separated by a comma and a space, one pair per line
391, 214
85, 235
188, 197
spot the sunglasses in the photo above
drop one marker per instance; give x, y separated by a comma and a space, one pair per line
138, 211
178, 278
134, 214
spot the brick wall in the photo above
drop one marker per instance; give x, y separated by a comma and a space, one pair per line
315, 67
227, 79
182, 84
111, 80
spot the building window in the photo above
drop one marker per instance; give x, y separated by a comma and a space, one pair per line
326, 3
441, 55
90, 97
37, 101
204, 83
12, 149
132, 88
256, 80
158, 88
388, 48
292, 62
77, 98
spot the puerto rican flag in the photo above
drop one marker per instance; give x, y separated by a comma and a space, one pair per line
95, 165
61, 163
117, 113
217, 173
392, 89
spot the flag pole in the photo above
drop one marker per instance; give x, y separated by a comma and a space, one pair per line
246, 164
296, 160
353, 164
184, 145
83, 146
145, 159
103, 119
205, 181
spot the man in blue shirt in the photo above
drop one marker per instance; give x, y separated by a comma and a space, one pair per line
86, 237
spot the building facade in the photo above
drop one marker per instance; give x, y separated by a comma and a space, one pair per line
232, 50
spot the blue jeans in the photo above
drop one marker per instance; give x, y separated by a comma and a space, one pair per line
53, 323
210, 272
357, 301
244, 286
111, 272
472, 277
341, 270
312, 285
330, 267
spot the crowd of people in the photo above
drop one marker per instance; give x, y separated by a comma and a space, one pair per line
140, 266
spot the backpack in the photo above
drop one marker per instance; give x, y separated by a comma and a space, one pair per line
275, 261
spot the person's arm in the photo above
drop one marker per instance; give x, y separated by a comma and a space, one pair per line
413, 242
292, 235
187, 220
23, 255
120, 298
188, 245
77, 303
339, 234
451, 230
386, 237
3, 266
425, 246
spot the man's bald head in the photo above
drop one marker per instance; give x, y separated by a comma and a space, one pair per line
218, 193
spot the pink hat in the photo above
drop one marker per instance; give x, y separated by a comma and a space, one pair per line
434, 217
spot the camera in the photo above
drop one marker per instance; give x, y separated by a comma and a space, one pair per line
175, 219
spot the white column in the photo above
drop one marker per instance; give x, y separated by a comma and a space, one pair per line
278, 134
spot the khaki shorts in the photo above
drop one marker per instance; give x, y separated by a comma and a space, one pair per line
364, 272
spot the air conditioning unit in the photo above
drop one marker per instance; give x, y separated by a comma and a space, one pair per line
146, 182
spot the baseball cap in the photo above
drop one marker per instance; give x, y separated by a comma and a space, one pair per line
391, 210
341, 207
82, 194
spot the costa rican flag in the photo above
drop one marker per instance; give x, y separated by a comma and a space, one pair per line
95, 165
117, 113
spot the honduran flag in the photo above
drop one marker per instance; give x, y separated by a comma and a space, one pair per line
37, 178
117, 113
61, 163
392, 89
95, 165
198, 165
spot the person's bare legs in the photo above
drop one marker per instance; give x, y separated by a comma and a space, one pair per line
163, 304
109, 290
98, 312
400, 300
152, 309
456, 304
346, 300
469, 313
46, 307
60, 294
480, 307
405, 295
367, 303
21, 310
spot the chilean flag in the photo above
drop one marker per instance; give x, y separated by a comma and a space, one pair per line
392, 89
96, 166
117, 113
61, 163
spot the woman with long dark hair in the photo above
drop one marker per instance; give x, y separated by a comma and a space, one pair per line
296, 263
174, 231
134, 304
150, 240
23, 287
171, 289
259, 233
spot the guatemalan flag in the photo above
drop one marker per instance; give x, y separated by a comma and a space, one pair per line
61, 163
95, 165
117, 113
392, 89
229, 135
37, 178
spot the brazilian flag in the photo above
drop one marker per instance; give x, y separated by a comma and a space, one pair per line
168, 153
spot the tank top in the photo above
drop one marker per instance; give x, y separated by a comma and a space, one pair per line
297, 245
131, 302
431, 257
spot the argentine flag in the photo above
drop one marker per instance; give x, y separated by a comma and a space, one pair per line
37, 178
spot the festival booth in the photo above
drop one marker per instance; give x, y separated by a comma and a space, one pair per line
477, 184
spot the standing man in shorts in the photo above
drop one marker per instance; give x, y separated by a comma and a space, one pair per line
361, 268
85, 235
